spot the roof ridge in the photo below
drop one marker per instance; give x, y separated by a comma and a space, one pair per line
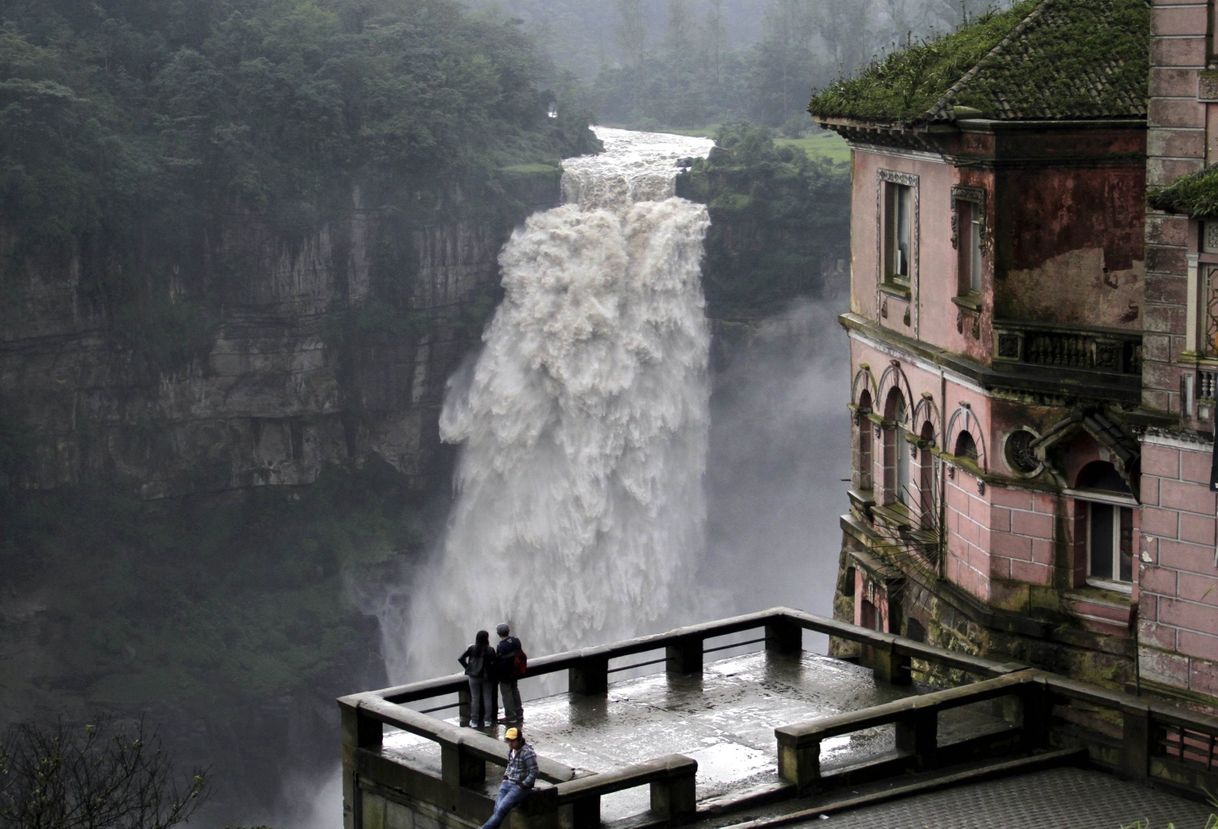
941, 105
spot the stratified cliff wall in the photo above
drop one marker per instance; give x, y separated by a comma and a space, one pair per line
256, 360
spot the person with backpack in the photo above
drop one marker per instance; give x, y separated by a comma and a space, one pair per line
511, 664
478, 660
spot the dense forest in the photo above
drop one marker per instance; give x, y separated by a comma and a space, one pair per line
146, 148
127, 121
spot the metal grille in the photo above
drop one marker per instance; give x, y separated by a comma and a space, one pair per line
1190, 746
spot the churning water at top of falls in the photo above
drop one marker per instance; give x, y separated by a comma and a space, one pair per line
579, 513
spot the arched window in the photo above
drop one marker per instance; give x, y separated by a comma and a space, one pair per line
1108, 504
966, 447
926, 478
896, 449
902, 447
864, 445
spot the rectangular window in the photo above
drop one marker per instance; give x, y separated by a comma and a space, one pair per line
898, 224
1109, 542
968, 218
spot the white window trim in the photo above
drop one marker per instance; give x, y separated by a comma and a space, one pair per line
1114, 501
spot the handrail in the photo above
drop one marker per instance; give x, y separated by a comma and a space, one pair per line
1157, 742
574, 659
889, 712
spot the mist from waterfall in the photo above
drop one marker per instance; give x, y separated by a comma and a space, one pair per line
579, 512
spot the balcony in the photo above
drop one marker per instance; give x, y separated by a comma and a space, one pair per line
763, 727
1061, 347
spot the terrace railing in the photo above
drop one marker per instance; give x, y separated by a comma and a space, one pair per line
1145, 741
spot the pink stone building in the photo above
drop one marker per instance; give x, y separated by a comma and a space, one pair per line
1030, 403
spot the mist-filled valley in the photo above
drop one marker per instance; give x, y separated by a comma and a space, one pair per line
335, 330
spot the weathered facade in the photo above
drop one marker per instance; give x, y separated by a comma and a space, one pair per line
1023, 483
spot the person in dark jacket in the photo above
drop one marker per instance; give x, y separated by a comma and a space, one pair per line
479, 664
513, 711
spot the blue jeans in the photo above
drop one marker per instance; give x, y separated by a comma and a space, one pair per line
510, 796
481, 701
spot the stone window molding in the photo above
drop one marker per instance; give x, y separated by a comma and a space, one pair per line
1017, 451
964, 420
910, 180
972, 195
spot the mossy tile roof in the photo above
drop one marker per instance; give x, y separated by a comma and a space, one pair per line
1040, 59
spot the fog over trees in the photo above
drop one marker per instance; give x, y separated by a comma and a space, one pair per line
694, 62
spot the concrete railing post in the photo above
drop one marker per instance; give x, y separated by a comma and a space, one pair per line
1136, 741
798, 759
889, 666
675, 797
463, 705
458, 767
684, 655
784, 635
917, 733
357, 732
1036, 715
586, 811
540, 811
590, 676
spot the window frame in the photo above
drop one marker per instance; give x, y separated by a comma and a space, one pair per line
897, 206
968, 239
1121, 505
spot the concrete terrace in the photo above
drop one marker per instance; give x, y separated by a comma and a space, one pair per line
778, 736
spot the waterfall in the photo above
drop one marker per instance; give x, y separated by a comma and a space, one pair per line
579, 510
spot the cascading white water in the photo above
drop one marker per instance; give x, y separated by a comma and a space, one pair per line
580, 514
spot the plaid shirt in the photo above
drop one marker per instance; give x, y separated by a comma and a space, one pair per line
522, 766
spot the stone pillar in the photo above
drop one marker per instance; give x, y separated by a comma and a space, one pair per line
798, 758
684, 655
1136, 741
917, 734
539, 811
357, 732
589, 676
458, 767
676, 796
784, 635
887, 665
463, 705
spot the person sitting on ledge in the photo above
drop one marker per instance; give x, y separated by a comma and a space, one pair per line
518, 777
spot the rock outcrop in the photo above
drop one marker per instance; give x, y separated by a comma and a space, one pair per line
261, 362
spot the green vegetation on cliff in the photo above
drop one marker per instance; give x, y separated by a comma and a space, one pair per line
144, 144
780, 221
198, 602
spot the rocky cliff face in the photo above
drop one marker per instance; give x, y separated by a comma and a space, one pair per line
267, 359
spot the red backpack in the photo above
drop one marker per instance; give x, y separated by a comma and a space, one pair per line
520, 663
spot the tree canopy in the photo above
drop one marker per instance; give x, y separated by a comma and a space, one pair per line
116, 111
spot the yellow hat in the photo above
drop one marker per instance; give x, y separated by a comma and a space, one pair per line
512, 734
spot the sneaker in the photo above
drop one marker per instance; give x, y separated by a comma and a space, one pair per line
486, 724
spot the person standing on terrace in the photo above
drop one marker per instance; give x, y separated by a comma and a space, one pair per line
518, 777
509, 693
478, 660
